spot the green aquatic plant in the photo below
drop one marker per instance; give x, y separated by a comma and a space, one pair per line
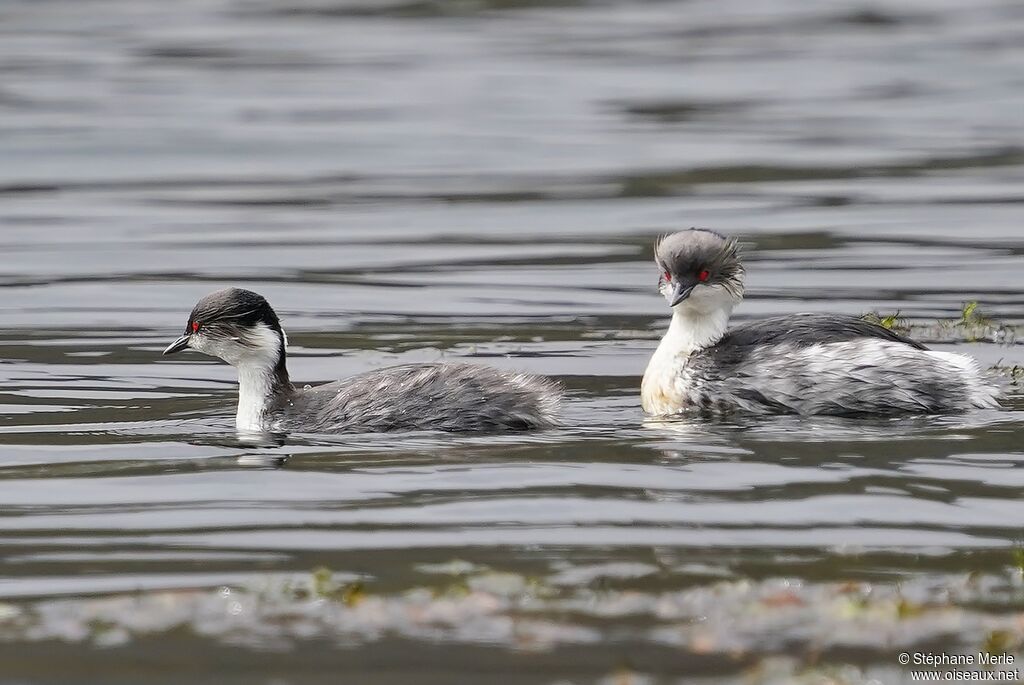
973, 323
970, 315
893, 322
353, 593
325, 586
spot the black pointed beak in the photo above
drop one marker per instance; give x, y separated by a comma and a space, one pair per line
681, 291
178, 345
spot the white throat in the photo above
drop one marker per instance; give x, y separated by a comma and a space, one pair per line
691, 330
699, 321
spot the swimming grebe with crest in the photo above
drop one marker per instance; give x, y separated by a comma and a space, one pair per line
797, 364
240, 327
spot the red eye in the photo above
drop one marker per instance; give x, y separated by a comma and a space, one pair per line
703, 275
668, 276
195, 326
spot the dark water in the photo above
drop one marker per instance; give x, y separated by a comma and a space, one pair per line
431, 179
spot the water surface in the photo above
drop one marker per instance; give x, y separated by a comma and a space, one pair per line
414, 181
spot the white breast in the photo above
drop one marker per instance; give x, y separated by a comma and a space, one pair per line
666, 383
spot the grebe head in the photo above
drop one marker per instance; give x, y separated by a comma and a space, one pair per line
238, 326
700, 270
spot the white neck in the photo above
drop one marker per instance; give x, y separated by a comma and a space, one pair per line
692, 330
254, 388
256, 354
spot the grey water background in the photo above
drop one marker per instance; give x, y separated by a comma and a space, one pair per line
445, 179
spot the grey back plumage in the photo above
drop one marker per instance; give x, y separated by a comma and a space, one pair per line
825, 364
801, 330
444, 396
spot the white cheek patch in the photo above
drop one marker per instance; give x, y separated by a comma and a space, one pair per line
258, 347
261, 346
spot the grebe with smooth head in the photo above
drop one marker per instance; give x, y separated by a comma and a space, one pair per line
240, 327
799, 364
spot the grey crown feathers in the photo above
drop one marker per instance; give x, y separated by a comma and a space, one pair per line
684, 255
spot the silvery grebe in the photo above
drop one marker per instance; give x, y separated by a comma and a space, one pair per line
800, 364
240, 327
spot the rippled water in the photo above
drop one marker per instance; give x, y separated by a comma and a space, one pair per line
431, 179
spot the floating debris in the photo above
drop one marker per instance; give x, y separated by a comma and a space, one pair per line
741, 621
